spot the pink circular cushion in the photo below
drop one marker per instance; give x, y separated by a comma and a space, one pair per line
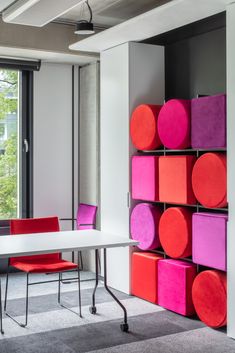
209, 180
209, 294
175, 232
174, 122
144, 225
143, 127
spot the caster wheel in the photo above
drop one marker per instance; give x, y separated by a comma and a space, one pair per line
92, 310
124, 327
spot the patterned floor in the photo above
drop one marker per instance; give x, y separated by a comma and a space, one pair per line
55, 330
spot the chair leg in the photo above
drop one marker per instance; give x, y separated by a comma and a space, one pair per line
59, 282
79, 295
81, 260
26, 303
1, 324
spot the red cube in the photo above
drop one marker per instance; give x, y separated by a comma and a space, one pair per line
144, 276
175, 184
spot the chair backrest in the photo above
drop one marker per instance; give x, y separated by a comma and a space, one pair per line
86, 216
35, 225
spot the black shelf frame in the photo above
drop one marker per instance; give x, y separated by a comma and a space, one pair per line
166, 151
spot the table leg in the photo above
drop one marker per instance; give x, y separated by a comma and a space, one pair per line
124, 325
92, 308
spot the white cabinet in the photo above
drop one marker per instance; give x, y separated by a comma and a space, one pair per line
131, 74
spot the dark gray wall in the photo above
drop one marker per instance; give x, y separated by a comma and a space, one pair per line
196, 65
195, 58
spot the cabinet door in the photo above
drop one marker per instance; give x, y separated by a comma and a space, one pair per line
114, 141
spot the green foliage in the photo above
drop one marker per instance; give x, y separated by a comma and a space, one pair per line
8, 160
8, 92
8, 179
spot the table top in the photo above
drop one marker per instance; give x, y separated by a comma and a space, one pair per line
42, 243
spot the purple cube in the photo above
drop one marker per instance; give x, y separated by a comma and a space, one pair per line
210, 240
208, 122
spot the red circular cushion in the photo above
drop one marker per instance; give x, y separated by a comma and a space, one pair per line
143, 128
174, 123
175, 232
210, 297
209, 180
144, 225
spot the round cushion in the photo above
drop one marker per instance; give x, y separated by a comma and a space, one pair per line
175, 232
143, 127
209, 180
144, 225
210, 297
174, 124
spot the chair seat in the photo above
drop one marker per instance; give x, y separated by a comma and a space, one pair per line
43, 266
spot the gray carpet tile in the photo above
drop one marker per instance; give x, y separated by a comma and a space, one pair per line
188, 323
33, 345
105, 334
44, 303
152, 330
108, 334
204, 340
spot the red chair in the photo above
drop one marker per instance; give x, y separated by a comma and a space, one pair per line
45, 263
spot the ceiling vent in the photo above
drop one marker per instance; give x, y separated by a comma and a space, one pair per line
37, 12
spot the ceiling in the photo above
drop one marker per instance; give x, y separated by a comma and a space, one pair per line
109, 13
106, 13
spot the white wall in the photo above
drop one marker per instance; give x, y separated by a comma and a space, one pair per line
52, 142
89, 184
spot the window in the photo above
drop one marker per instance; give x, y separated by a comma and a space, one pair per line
9, 143
16, 97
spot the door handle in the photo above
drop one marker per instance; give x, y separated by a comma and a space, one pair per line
26, 146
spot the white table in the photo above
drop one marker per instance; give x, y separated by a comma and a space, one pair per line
44, 243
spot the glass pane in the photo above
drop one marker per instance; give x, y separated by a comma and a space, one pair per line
9, 137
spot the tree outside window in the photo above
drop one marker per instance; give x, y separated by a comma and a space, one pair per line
8, 143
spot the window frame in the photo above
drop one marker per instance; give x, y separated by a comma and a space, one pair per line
26, 69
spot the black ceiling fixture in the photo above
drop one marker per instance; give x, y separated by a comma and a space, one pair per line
85, 27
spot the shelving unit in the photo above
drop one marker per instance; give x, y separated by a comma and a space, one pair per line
195, 57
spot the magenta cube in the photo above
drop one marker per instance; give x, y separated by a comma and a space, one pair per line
175, 280
145, 178
208, 122
210, 240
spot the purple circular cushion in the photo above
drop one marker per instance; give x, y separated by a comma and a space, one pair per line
144, 225
174, 124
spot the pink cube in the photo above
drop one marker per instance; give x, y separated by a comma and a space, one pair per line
210, 240
175, 280
145, 178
